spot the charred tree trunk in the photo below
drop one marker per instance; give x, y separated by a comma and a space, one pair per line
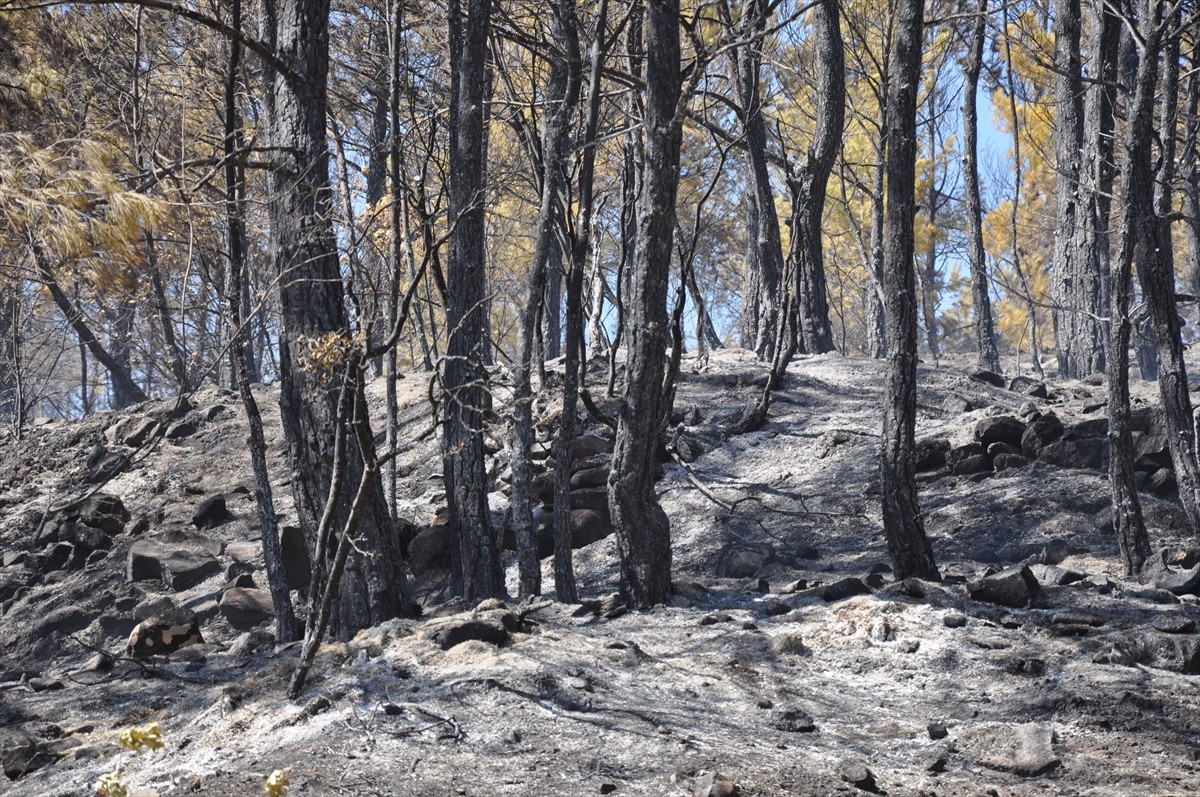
985, 331
1189, 163
10, 399
807, 181
478, 574
313, 314
642, 529
907, 543
561, 95
766, 248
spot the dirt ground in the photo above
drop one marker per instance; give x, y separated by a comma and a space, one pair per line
778, 687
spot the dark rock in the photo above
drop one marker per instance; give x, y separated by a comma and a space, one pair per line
589, 445
85, 538
1173, 652
999, 429
792, 720
482, 629
588, 478
1003, 462
429, 550
1014, 587
1044, 430
245, 607
63, 621
1077, 618
107, 467
1028, 386
1093, 427
1006, 449
587, 526
1090, 453
21, 753
988, 377
177, 566
856, 774
163, 634
595, 498
1175, 624
937, 730
956, 405
743, 560
968, 459
838, 590
211, 513
1151, 451
180, 429
296, 565
954, 620
713, 784
104, 512
57, 556
930, 453
1159, 572
1162, 483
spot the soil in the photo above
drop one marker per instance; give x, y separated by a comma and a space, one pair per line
759, 681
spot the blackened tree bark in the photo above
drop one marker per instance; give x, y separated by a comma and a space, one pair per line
642, 529
808, 178
909, 547
1152, 256
985, 332
764, 242
10, 399
564, 570
1075, 288
235, 199
313, 314
478, 574
1189, 166
561, 95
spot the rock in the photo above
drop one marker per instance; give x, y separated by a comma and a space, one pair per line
587, 526
856, 774
937, 730
429, 549
85, 538
244, 551
594, 498
177, 566
1159, 572
931, 453
180, 430
1034, 753
1077, 618
968, 459
743, 560
792, 720
1028, 386
132, 432
1172, 652
1175, 624
211, 513
1090, 453
163, 634
1014, 587
57, 556
589, 478
296, 565
838, 590
1093, 427
245, 607
456, 633
1151, 451
21, 753
954, 620
999, 429
1042, 431
1003, 462
589, 445
1003, 449
104, 512
1162, 483
714, 785
956, 405
988, 377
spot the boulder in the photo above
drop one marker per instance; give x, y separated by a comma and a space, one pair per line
1028, 386
595, 498
178, 566
743, 560
988, 377
1033, 755
211, 513
104, 512
1151, 451
245, 607
930, 453
430, 549
586, 478
1002, 462
586, 446
1014, 587
1042, 431
1090, 453
792, 720
1161, 572
22, 753
85, 538
163, 634
1162, 483
968, 459
999, 429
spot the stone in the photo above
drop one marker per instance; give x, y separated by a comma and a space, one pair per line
491, 630
954, 620
1175, 624
937, 730
1028, 386
429, 549
930, 453
104, 512
858, 775
1077, 618
245, 607
968, 459
1043, 430
1014, 587
181, 429
178, 567
132, 432
588, 478
211, 513
988, 377
594, 498
713, 785
1159, 572
243, 551
743, 560
1162, 483
792, 720
837, 590
58, 556
1002, 462
589, 445
999, 429
85, 538
163, 634
1034, 753
1090, 453
956, 405
21, 753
